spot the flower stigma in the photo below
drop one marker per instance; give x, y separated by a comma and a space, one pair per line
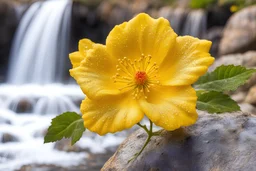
137, 75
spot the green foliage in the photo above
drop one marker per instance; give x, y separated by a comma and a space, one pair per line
201, 3
66, 125
207, 3
215, 102
239, 3
224, 78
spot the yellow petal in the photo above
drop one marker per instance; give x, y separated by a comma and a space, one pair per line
77, 57
94, 75
84, 45
170, 107
187, 61
141, 35
111, 114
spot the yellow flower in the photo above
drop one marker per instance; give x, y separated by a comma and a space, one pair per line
144, 69
233, 8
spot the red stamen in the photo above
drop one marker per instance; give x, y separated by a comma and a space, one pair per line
141, 77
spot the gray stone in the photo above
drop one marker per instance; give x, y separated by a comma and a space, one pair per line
239, 96
251, 96
247, 59
246, 107
222, 142
65, 145
5, 121
6, 137
240, 32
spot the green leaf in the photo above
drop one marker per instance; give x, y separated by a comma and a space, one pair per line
66, 125
215, 102
224, 78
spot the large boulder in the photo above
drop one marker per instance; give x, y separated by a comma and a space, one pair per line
240, 32
216, 142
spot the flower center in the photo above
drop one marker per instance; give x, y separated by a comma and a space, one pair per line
138, 75
141, 77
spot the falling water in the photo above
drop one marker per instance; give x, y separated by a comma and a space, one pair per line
37, 62
195, 24
40, 44
185, 22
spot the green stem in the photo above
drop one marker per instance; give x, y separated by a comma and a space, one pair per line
150, 135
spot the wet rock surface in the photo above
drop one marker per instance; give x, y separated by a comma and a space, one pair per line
216, 142
240, 32
6, 137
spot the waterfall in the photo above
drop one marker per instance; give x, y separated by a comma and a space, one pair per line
195, 24
185, 22
41, 44
34, 92
38, 62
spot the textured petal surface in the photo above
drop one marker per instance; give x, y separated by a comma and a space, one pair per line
76, 57
141, 35
188, 60
94, 75
170, 107
112, 114
84, 45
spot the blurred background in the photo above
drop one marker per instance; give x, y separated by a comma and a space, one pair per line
35, 39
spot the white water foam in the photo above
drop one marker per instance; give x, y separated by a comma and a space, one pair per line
29, 149
47, 99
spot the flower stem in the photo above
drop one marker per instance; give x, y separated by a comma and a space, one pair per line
150, 135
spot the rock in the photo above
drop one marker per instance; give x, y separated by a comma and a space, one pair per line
240, 32
65, 145
216, 142
247, 59
5, 121
96, 161
251, 96
41, 133
9, 22
6, 137
23, 105
239, 97
246, 107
